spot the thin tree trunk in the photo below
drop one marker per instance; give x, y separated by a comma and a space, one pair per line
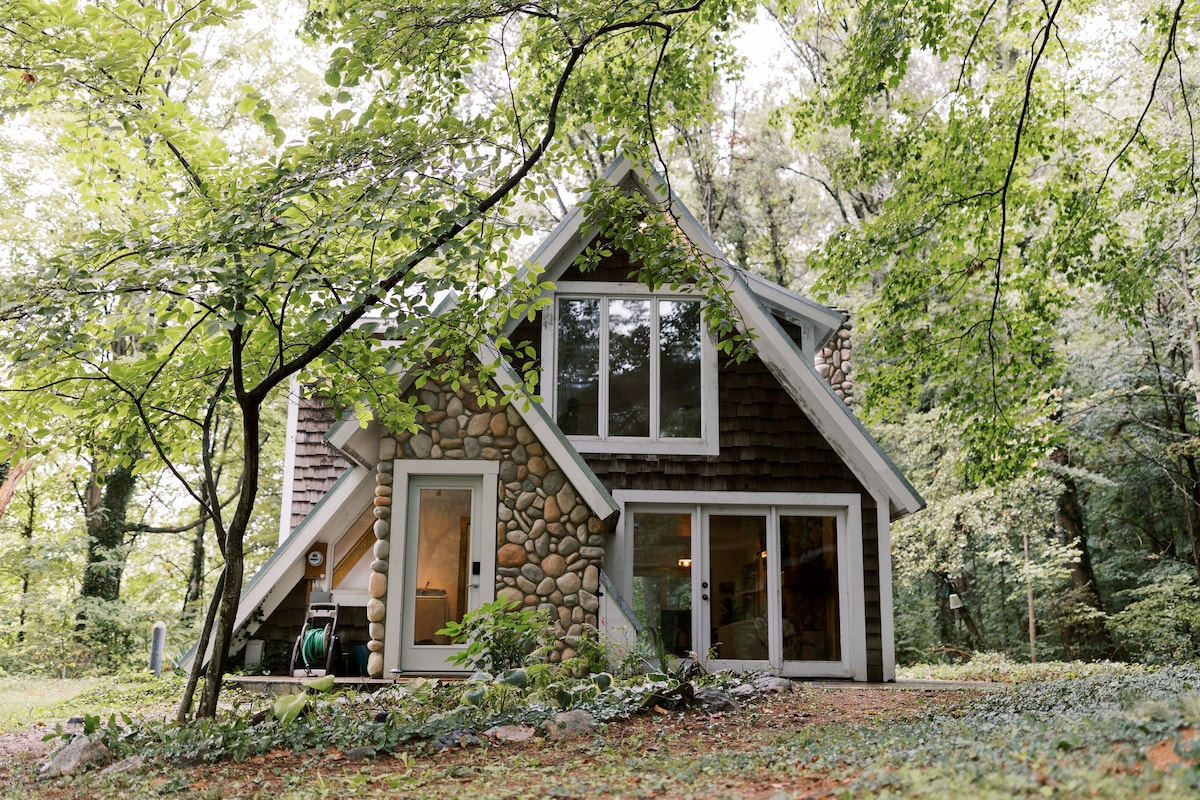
233, 570
106, 510
189, 689
27, 551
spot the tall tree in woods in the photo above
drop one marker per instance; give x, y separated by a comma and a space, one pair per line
328, 255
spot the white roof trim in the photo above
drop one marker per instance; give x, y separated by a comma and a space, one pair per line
836, 423
268, 587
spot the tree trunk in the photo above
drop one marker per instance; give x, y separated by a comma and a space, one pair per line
195, 582
10, 476
106, 509
27, 551
1069, 516
232, 572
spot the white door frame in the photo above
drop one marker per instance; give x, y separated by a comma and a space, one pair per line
846, 508
483, 478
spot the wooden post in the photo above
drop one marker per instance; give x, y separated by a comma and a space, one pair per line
1029, 594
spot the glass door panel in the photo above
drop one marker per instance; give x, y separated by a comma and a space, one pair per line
737, 560
439, 585
809, 564
443, 548
662, 577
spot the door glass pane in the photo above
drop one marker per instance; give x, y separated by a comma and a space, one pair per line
629, 368
808, 558
679, 368
578, 389
737, 555
662, 577
443, 551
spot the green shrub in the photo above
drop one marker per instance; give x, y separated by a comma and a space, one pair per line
1162, 624
499, 636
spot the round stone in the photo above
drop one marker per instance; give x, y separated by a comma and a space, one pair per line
554, 565
421, 444
383, 466
375, 665
566, 498
567, 545
591, 579
454, 407
383, 529
387, 448
377, 584
524, 435
499, 424
525, 585
510, 555
533, 573
569, 583
379, 565
376, 610
546, 586
511, 594
382, 512
382, 549
478, 425
589, 602
375, 646
550, 509
375, 630
553, 480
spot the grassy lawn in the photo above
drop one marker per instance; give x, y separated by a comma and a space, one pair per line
24, 701
1070, 731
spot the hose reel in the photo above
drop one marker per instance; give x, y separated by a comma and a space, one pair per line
317, 645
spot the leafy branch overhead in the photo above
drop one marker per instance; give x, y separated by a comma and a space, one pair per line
211, 277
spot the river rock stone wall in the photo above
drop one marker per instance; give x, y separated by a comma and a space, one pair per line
833, 363
549, 544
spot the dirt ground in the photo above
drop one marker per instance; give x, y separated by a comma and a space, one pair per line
649, 755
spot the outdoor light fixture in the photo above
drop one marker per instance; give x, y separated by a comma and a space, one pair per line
685, 562
955, 602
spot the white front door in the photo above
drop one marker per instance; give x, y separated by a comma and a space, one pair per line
445, 564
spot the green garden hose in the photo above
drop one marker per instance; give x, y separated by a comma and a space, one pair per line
312, 647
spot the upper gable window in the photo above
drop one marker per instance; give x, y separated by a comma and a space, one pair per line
632, 372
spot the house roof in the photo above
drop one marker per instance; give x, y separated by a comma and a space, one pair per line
761, 304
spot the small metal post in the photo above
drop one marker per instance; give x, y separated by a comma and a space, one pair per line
158, 642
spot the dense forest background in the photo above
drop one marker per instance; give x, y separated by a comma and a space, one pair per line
1003, 197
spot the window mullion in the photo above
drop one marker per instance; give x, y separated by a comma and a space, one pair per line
603, 367
655, 347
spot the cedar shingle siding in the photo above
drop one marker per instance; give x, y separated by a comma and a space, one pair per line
317, 466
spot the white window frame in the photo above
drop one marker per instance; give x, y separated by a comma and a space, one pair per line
707, 444
845, 508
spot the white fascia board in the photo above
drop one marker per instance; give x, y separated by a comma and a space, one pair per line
358, 443
822, 320
552, 439
844, 432
325, 522
289, 460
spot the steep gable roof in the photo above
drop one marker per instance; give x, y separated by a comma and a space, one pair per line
759, 302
